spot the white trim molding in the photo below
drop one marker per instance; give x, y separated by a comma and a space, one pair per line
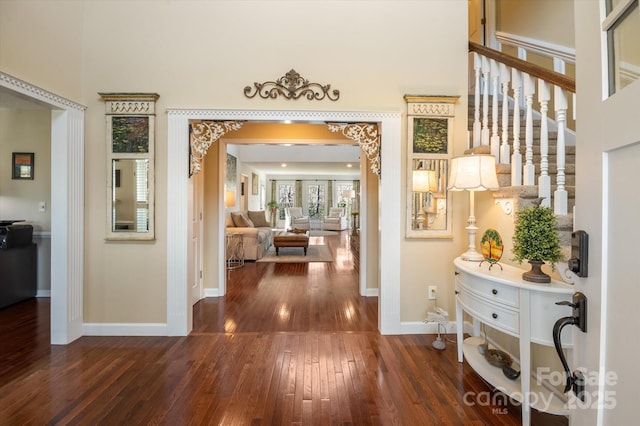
124, 329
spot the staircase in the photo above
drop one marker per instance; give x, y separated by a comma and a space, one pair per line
503, 84
525, 195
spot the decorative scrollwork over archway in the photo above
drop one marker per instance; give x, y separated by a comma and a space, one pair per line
367, 136
292, 86
203, 135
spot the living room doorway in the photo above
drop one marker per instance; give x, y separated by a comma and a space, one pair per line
387, 226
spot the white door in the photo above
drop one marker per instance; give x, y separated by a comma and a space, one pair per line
608, 208
196, 248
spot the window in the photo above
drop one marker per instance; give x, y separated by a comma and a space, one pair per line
622, 27
316, 200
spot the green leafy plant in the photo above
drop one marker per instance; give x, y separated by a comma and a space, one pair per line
535, 236
273, 205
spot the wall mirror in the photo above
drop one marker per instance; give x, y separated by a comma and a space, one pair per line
130, 165
429, 145
130, 205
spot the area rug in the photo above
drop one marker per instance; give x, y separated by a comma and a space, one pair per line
320, 233
316, 253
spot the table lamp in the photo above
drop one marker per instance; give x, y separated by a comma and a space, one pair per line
473, 173
424, 181
229, 198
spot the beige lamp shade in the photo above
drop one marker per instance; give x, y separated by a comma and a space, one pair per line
229, 198
349, 193
473, 173
425, 181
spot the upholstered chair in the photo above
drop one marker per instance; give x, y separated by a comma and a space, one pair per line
294, 218
336, 220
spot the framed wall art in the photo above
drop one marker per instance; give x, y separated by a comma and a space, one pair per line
429, 150
22, 166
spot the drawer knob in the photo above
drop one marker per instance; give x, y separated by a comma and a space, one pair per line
494, 291
457, 292
494, 315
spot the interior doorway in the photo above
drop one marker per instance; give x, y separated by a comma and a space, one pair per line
179, 312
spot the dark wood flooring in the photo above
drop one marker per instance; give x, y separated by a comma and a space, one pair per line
290, 344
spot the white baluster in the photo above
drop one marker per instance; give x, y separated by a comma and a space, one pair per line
560, 197
477, 126
529, 171
544, 180
495, 139
486, 70
505, 150
516, 157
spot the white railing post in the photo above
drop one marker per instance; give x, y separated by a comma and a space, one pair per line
486, 69
505, 150
544, 180
516, 157
477, 127
529, 171
560, 195
495, 139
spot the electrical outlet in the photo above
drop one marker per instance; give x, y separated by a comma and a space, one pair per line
433, 292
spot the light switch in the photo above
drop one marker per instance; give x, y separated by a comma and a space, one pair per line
42, 206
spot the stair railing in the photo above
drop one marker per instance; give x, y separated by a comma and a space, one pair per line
496, 71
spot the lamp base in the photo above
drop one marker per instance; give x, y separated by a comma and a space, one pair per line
472, 256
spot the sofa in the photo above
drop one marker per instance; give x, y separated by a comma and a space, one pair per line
257, 236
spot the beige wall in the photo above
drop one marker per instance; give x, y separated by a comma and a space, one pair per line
546, 20
201, 54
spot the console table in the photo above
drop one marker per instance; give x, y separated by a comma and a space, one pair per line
502, 300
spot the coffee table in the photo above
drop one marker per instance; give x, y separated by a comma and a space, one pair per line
291, 239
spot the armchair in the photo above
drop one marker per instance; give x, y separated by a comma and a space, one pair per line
336, 220
295, 219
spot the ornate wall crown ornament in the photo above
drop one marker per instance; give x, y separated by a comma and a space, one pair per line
292, 86
203, 135
367, 136
130, 103
433, 106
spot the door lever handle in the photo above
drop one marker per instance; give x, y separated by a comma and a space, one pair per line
575, 380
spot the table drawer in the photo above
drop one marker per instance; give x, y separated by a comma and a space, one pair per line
495, 292
493, 315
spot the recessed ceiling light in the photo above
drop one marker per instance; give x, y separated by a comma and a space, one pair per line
283, 165
349, 165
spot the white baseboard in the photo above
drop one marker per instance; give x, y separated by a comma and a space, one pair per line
372, 292
211, 292
123, 329
419, 327
43, 293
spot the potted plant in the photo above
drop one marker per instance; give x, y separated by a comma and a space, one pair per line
535, 239
273, 206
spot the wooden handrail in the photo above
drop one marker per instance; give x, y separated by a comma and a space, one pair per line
533, 70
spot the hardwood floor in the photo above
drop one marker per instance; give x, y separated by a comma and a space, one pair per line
290, 344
